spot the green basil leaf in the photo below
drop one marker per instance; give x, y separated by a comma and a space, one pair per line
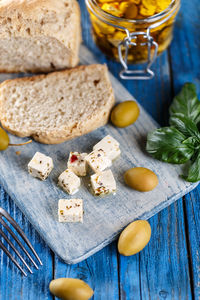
194, 170
193, 142
184, 125
187, 103
166, 144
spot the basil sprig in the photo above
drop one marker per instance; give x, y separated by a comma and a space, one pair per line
180, 142
187, 103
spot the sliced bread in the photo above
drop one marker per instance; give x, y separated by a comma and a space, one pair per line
59, 106
39, 35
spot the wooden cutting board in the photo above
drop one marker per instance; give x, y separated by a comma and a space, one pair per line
104, 217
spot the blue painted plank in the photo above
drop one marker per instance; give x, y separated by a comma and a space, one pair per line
186, 67
129, 278
100, 271
185, 48
12, 284
192, 204
164, 265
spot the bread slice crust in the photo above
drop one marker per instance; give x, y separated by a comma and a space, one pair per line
81, 124
25, 19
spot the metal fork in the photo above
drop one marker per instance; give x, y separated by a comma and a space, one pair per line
4, 214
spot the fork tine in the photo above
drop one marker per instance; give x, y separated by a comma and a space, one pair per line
19, 230
15, 250
12, 258
18, 241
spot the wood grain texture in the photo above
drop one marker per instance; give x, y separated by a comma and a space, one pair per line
100, 271
130, 268
171, 279
192, 205
186, 45
185, 66
162, 267
12, 284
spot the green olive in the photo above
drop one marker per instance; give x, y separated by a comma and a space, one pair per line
4, 140
125, 114
70, 289
134, 237
141, 179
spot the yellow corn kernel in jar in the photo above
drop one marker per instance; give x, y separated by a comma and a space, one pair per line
132, 11
147, 12
106, 1
117, 38
102, 30
112, 9
149, 3
123, 6
101, 27
135, 1
148, 8
162, 5
97, 30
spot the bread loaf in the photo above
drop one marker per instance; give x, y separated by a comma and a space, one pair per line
39, 35
59, 106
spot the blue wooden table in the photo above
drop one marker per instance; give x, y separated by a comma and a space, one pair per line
169, 267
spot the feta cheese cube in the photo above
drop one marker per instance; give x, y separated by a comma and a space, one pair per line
40, 166
77, 163
70, 210
69, 182
98, 160
110, 147
103, 183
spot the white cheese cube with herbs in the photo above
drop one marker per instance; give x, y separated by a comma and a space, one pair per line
110, 146
98, 160
40, 166
70, 210
69, 182
103, 183
77, 163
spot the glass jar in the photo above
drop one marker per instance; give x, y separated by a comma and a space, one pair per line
136, 39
